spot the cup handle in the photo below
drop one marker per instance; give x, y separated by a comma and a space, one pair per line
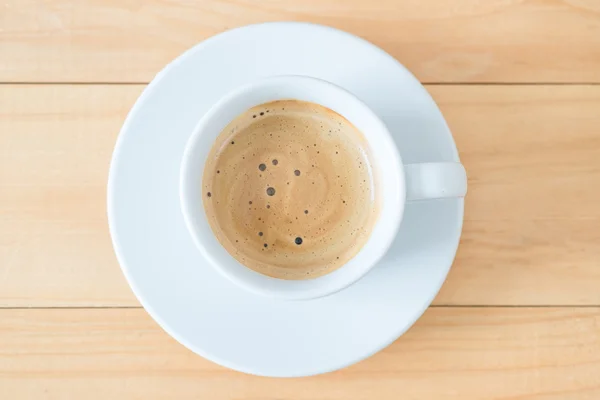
435, 180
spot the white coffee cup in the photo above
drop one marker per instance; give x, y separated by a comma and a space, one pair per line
395, 183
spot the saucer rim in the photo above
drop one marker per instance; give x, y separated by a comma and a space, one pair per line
117, 243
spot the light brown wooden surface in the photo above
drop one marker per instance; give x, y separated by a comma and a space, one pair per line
440, 41
481, 353
519, 316
532, 221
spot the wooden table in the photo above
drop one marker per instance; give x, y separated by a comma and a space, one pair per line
519, 83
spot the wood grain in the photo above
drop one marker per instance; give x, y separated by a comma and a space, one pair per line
55, 147
440, 41
532, 156
450, 354
531, 234
530, 237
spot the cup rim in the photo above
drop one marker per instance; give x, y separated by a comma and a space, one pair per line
274, 287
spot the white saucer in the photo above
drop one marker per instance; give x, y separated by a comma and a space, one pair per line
195, 304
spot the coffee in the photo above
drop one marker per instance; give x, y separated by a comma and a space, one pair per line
289, 190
